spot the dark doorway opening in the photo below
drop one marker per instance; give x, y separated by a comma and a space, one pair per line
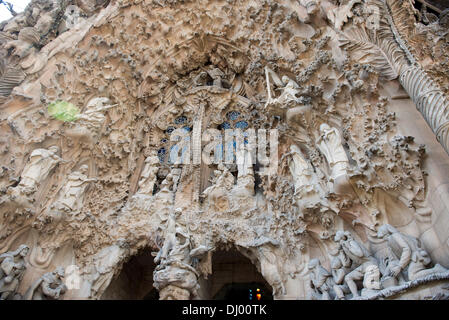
252, 291
234, 277
135, 281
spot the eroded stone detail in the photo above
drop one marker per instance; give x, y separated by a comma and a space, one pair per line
354, 209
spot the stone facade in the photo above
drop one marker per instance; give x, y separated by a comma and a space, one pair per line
95, 96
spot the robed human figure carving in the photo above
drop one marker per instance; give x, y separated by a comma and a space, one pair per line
41, 162
330, 145
72, 193
299, 168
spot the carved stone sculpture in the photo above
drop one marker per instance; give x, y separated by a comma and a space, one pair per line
12, 269
341, 87
23, 46
420, 266
402, 246
410, 255
371, 281
102, 270
41, 162
48, 287
245, 177
90, 122
311, 5
330, 145
149, 176
360, 257
320, 280
270, 269
175, 259
289, 90
299, 168
217, 194
72, 193
38, 168
340, 264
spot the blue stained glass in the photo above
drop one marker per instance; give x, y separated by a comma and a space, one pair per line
180, 120
233, 115
161, 154
170, 130
241, 125
225, 125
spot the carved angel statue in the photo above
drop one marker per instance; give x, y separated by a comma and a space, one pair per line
39, 166
48, 287
12, 269
89, 123
167, 183
93, 116
149, 175
289, 89
72, 193
41, 162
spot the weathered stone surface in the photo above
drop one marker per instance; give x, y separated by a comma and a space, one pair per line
354, 206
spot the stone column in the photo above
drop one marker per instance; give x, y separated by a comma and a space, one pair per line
429, 100
176, 281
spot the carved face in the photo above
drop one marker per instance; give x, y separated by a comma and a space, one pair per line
59, 272
24, 251
423, 257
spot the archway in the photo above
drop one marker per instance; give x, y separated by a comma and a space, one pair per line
234, 277
135, 281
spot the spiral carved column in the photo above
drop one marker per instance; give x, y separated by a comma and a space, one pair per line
429, 100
